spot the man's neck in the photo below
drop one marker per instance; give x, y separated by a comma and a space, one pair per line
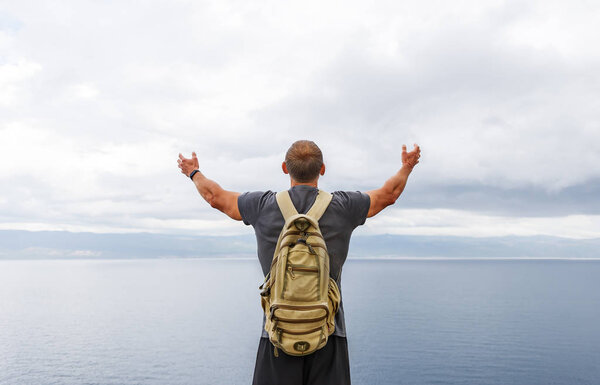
312, 184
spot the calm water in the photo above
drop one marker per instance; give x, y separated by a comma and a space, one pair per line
198, 322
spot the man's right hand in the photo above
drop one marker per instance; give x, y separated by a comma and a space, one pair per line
393, 187
188, 165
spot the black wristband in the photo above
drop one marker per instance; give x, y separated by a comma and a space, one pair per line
193, 173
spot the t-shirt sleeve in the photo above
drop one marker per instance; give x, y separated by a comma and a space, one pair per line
356, 206
250, 203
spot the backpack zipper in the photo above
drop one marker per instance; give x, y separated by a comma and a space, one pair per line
292, 268
298, 307
297, 321
297, 332
312, 245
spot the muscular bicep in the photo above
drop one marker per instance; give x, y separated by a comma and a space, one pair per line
380, 199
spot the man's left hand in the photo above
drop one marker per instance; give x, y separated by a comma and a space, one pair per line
188, 165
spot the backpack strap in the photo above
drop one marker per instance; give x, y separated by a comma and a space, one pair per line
285, 204
316, 211
320, 205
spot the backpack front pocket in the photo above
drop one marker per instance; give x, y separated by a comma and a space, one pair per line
301, 283
300, 342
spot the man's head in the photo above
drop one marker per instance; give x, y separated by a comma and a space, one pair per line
304, 162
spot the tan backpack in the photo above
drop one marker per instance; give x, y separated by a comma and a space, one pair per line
298, 296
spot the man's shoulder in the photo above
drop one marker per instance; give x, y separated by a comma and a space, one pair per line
256, 194
250, 203
353, 206
350, 196
256, 199
348, 193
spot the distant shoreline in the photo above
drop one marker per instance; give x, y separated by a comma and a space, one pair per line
358, 259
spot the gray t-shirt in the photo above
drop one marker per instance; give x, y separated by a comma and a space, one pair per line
347, 210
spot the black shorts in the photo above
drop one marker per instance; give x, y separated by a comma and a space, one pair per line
327, 366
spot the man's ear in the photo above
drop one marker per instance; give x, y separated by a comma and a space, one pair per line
322, 172
284, 168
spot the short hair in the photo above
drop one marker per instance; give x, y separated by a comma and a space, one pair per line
304, 160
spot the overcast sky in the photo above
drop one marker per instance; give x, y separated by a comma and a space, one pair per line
97, 98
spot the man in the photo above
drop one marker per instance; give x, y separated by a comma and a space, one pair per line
347, 210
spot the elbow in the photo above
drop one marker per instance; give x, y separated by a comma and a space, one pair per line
381, 199
214, 204
219, 203
390, 199
213, 201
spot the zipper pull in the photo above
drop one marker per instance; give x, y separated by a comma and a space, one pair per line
275, 351
291, 270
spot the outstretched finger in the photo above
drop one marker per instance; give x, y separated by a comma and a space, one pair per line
193, 155
404, 148
181, 156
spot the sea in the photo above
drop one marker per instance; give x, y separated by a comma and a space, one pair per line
198, 321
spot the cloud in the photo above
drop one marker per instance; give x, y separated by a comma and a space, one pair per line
447, 222
484, 109
97, 99
13, 80
514, 201
83, 91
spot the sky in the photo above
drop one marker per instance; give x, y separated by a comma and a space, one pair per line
97, 98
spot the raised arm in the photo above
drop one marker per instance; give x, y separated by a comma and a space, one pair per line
222, 200
393, 187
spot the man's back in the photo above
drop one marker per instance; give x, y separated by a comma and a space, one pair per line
346, 211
